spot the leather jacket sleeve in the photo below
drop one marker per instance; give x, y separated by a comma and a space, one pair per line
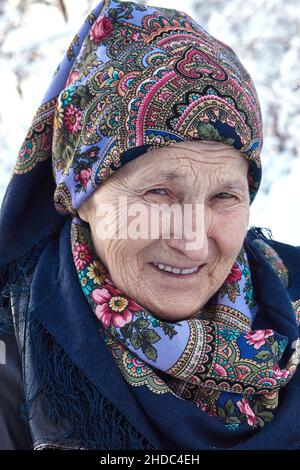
14, 434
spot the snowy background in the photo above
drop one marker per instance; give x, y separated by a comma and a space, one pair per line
265, 34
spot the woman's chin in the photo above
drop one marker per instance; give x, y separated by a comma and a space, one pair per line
178, 311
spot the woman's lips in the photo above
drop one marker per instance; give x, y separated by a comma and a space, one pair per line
170, 275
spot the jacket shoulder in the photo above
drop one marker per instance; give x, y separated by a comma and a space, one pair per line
13, 429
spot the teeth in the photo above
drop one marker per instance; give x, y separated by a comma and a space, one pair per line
176, 270
189, 271
169, 269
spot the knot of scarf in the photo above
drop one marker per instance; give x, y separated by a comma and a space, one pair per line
213, 359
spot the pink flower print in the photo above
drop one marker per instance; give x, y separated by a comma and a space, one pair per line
84, 177
100, 29
72, 119
157, 140
205, 407
280, 373
244, 408
135, 36
113, 307
81, 256
72, 77
93, 153
234, 275
164, 95
258, 338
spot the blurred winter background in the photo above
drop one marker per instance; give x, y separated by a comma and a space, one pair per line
264, 33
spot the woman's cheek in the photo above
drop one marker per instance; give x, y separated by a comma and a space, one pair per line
233, 229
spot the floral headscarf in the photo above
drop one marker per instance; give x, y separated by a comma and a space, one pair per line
142, 78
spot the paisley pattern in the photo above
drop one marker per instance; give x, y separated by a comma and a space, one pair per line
136, 78
275, 261
296, 307
38, 142
214, 359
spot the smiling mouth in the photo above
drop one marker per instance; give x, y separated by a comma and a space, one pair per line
179, 273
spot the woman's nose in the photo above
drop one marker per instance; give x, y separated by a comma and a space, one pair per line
191, 237
195, 249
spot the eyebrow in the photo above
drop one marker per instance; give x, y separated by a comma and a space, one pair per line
163, 176
173, 176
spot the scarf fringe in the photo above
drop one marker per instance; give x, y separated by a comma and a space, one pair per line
65, 393
14, 281
68, 396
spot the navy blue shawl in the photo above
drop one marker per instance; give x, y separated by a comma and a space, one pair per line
60, 311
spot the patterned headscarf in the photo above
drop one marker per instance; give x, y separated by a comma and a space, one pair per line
147, 77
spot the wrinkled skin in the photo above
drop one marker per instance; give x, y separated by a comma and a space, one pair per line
205, 170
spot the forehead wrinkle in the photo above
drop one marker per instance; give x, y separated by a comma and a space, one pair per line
214, 171
169, 176
180, 171
226, 151
214, 178
210, 162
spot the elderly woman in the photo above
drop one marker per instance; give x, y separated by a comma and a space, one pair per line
138, 310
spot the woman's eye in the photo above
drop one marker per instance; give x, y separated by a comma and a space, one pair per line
224, 195
161, 191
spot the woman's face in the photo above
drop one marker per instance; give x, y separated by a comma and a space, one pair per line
195, 177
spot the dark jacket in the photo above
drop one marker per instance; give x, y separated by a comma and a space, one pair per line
27, 427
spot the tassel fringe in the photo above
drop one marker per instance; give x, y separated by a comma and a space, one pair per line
66, 395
